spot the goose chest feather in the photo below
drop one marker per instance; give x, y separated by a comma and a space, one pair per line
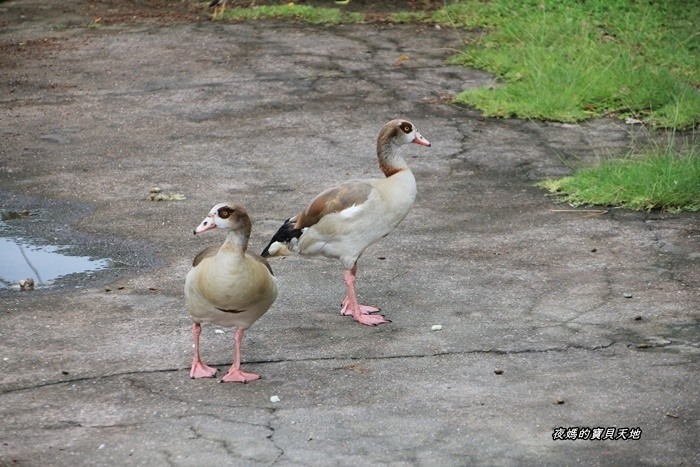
229, 288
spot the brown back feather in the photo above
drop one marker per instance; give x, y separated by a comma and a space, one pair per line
334, 200
262, 260
205, 253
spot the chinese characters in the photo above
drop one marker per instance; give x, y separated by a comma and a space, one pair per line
599, 433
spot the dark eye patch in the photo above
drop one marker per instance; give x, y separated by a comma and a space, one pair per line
406, 127
224, 212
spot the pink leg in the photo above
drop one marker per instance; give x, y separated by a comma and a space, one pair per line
199, 369
365, 309
360, 313
235, 375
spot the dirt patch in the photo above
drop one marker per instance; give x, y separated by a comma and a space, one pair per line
34, 28
123, 11
370, 7
96, 13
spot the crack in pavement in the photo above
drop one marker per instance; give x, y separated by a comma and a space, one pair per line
224, 444
227, 446
320, 359
270, 437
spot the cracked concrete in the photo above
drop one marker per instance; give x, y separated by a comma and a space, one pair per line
551, 317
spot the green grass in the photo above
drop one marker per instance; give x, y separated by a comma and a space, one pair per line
569, 61
313, 15
563, 60
664, 178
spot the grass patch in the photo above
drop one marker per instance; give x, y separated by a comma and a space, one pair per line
569, 61
309, 14
562, 60
664, 178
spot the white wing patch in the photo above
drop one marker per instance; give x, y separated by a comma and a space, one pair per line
350, 212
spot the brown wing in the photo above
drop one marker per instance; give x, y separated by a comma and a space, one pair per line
205, 253
211, 251
262, 260
334, 200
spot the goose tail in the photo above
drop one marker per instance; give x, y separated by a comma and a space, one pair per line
284, 240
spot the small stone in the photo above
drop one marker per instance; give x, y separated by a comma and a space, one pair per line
643, 346
218, 331
627, 295
436, 327
26, 284
107, 289
498, 371
593, 250
65, 372
155, 190
275, 399
638, 318
560, 401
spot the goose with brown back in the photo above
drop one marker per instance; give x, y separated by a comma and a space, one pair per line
342, 221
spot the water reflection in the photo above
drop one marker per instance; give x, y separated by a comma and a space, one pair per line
20, 259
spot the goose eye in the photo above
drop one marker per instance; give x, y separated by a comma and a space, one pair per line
406, 127
224, 213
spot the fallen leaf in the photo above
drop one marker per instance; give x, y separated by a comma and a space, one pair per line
158, 196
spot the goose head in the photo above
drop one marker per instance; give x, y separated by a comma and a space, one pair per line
394, 134
227, 216
399, 132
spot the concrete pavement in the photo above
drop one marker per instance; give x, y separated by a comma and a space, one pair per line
551, 317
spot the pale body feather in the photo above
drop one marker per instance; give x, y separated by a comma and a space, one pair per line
230, 280
346, 233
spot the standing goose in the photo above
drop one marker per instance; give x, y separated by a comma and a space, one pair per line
228, 286
347, 218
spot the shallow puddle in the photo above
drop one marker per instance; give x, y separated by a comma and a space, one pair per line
43, 263
22, 259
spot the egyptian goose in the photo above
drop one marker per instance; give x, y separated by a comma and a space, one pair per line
228, 286
347, 218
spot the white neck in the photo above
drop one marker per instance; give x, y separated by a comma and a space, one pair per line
237, 239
